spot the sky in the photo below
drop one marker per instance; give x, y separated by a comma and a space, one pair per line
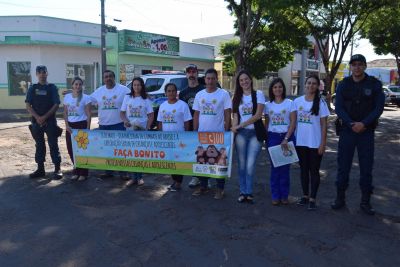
187, 19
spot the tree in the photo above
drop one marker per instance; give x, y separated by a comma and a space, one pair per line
333, 24
267, 39
385, 37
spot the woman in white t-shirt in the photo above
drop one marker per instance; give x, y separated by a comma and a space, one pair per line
311, 129
138, 115
247, 108
280, 120
174, 116
77, 115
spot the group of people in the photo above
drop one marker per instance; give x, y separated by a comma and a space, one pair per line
359, 103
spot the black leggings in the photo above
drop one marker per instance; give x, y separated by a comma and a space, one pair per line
310, 162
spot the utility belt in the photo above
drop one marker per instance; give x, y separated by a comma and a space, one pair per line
35, 128
339, 125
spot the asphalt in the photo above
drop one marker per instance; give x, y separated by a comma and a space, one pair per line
100, 223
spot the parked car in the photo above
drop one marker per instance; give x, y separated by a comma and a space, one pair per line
155, 86
393, 92
386, 91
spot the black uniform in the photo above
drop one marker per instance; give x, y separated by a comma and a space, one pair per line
42, 98
361, 101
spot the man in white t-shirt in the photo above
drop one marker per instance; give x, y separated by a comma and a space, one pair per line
109, 99
212, 113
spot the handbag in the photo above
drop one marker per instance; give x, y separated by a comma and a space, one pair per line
259, 126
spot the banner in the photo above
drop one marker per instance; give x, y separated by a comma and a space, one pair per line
187, 153
145, 42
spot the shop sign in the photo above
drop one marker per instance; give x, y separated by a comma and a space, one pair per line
144, 42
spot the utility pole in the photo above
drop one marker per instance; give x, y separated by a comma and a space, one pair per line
103, 39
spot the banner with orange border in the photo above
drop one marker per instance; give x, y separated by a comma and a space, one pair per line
187, 153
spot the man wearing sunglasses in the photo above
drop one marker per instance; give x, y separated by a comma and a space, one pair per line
42, 101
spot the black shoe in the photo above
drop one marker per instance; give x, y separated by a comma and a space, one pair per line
367, 208
57, 175
338, 204
365, 203
340, 200
312, 205
39, 173
302, 201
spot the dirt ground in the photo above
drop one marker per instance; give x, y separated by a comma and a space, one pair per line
100, 223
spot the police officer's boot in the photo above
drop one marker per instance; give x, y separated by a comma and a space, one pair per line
365, 204
57, 175
39, 173
340, 200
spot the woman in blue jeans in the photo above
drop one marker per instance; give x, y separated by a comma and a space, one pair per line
280, 120
247, 107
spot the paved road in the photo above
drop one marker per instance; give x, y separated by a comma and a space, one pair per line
99, 223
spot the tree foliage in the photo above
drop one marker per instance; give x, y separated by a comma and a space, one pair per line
333, 24
267, 39
382, 29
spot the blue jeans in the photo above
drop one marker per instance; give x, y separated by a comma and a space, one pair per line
348, 142
247, 148
280, 178
118, 127
52, 139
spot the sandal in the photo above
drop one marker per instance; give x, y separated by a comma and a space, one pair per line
250, 199
241, 198
276, 202
285, 201
130, 183
82, 178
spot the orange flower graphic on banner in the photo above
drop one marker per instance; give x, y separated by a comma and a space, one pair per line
82, 139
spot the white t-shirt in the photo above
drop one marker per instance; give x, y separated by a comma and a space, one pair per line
136, 109
246, 107
174, 116
279, 115
211, 107
308, 130
75, 109
109, 102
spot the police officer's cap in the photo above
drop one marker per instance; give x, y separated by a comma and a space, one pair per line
41, 68
358, 57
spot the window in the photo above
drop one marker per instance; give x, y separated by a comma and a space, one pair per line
85, 72
153, 84
181, 83
19, 77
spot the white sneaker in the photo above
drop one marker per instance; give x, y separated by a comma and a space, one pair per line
194, 182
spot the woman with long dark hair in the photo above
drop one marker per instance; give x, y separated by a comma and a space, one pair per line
311, 130
138, 115
77, 115
174, 116
280, 121
247, 108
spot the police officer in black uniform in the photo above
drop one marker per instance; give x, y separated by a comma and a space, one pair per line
42, 101
359, 104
